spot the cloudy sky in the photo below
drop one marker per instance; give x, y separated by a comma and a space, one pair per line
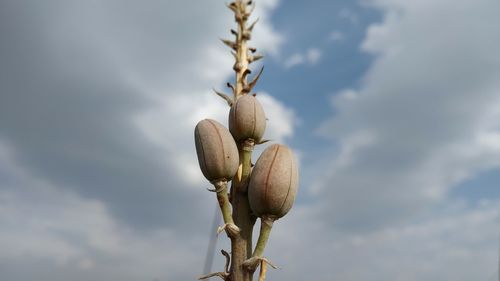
393, 107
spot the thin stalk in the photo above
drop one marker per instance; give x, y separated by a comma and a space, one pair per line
242, 243
266, 224
241, 246
241, 65
225, 206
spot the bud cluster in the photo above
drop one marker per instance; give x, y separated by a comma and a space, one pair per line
265, 190
273, 181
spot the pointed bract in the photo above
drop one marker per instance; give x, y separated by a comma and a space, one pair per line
225, 97
250, 28
229, 43
254, 58
254, 81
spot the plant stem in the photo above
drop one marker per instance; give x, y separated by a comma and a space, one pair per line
241, 246
223, 199
251, 264
242, 36
225, 207
266, 224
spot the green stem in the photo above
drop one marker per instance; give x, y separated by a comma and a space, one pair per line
241, 246
246, 161
246, 149
266, 224
251, 264
225, 206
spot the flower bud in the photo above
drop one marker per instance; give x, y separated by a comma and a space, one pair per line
273, 182
216, 149
247, 119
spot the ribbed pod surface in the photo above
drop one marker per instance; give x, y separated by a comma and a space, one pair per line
274, 182
247, 119
217, 152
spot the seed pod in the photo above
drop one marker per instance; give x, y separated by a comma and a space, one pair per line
247, 119
273, 183
216, 149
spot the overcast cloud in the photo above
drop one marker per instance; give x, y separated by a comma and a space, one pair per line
425, 116
98, 105
98, 177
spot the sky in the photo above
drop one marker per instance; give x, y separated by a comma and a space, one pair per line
391, 106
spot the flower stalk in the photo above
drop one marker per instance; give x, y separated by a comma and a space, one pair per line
241, 246
226, 155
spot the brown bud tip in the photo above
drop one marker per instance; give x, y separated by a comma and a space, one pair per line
216, 149
274, 182
247, 119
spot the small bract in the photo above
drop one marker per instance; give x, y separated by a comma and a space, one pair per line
274, 182
247, 119
216, 149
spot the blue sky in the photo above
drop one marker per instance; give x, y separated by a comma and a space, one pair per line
392, 107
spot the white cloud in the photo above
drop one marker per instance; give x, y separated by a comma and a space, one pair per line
280, 119
293, 60
266, 37
424, 118
349, 15
311, 57
430, 99
98, 139
44, 223
458, 243
336, 36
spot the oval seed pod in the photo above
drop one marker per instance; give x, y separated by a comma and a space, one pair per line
247, 119
216, 149
273, 183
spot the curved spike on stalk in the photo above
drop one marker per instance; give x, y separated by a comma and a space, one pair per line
225, 97
229, 43
254, 58
229, 85
234, 32
246, 72
234, 54
252, 263
252, 8
228, 260
245, 83
254, 81
232, 6
222, 275
250, 28
263, 141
